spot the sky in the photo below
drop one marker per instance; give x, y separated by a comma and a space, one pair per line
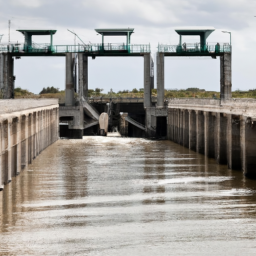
154, 22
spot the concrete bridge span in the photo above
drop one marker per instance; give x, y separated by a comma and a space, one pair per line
220, 129
27, 127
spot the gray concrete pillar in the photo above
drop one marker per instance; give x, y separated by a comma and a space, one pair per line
147, 79
6, 76
181, 111
236, 163
223, 140
186, 133
229, 140
248, 146
18, 145
199, 132
226, 76
83, 75
69, 101
211, 134
26, 142
150, 124
160, 79
217, 137
1, 156
192, 130
183, 126
9, 149
206, 132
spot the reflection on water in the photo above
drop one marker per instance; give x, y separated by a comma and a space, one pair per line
120, 196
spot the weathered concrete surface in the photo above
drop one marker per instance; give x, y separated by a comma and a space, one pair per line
24, 133
6, 76
226, 76
160, 79
221, 129
83, 75
147, 81
69, 92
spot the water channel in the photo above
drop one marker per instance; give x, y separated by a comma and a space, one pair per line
127, 196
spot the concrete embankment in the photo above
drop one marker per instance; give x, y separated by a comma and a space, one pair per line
27, 127
224, 130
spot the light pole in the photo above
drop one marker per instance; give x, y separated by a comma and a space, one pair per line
229, 34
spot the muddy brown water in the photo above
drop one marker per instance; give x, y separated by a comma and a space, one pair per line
127, 196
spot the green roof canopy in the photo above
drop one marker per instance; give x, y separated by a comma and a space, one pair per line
28, 33
116, 32
38, 32
203, 32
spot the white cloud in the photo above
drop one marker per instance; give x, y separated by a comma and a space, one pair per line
27, 3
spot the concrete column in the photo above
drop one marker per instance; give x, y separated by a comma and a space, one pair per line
243, 146
181, 111
199, 132
236, 163
18, 145
226, 76
186, 137
183, 127
1, 156
206, 132
69, 81
160, 79
147, 79
150, 124
83, 75
223, 140
192, 130
178, 126
9, 149
26, 141
57, 123
248, 145
175, 126
229, 140
211, 135
217, 137
6, 76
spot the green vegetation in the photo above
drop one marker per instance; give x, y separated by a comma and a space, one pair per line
49, 90
19, 93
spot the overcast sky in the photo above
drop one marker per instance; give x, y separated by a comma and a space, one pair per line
154, 22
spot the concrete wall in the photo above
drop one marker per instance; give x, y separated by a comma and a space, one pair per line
24, 133
224, 130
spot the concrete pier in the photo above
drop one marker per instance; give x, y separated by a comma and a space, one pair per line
226, 76
6, 76
27, 127
147, 80
160, 79
83, 75
70, 92
224, 130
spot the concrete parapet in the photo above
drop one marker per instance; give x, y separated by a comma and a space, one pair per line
24, 134
226, 132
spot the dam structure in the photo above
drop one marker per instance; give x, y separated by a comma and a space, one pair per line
27, 127
218, 128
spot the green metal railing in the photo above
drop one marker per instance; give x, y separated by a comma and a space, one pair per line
195, 48
89, 48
